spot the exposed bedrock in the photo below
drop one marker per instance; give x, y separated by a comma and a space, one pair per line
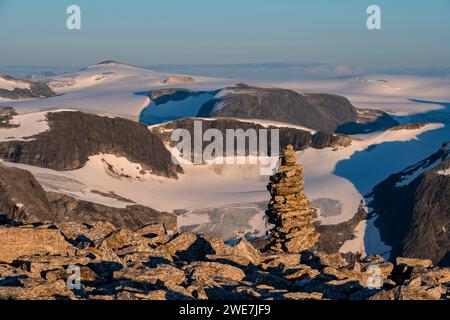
321, 112
23, 200
75, 136
413, 209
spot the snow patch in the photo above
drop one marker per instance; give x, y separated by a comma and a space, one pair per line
445, 172
356, 245
119, 166
192, 219
11, 84
407, 179
276, 124
27, 125
372, 239
392, 94
110, 88
322, 182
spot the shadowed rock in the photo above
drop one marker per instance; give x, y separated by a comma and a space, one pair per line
75, 136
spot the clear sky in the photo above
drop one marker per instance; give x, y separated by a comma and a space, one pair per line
147, 32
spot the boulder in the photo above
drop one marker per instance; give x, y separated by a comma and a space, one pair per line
17, 242
414, 262
145, 275
39, 263
44, 290
213, 270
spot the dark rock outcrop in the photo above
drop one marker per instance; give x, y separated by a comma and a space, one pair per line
68, 209
21, 196
23, 200
413, 209
323, 112
332, 237
74, 136
177, 80
6, 115
368, 120
36, 90
299, 139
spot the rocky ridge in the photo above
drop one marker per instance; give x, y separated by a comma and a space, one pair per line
300, 139
38, 262
413, 209
321, 112
75, 136
42, 261
36, 90
24, 201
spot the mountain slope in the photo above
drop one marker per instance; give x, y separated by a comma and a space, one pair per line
74, 136
321, 112
15, 89
413, 208
111, 88
23, 200
300, 138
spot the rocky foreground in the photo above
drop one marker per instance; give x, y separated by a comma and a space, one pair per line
74, 260
41, 262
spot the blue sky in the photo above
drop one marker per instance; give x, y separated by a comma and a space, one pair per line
415, 34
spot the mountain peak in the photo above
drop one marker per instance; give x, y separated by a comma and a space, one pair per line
113, 62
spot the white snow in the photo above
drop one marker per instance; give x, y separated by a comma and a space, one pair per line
422, 167
407, 179
199, 187
216, 185
344, 175
445, 172
372, 240
192, 219
30, 124
276, 124
262, 123
173, 110
357, 244
120, 166
321, 180
392, 96
11, 84
112, 89
259, 224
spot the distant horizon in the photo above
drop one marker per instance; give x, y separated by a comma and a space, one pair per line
244, 71
330, 34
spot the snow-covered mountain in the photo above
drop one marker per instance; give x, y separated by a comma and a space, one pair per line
12, 89
99, 160
323, 112
110, 88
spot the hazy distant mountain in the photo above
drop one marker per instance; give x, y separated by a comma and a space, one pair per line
17, 89
37, 76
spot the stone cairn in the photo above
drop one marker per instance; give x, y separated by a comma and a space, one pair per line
289, 209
